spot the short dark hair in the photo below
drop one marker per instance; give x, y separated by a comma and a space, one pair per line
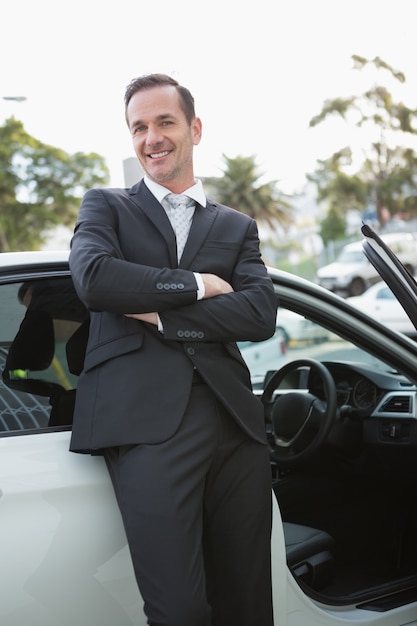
149, 81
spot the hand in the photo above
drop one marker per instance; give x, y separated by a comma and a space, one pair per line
150, 318
215, 286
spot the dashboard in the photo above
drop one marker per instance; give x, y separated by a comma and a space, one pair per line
368, 393
353, 388
385, 402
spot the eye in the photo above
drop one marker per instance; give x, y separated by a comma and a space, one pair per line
138, 129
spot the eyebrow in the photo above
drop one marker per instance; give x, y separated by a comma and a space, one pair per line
160, 118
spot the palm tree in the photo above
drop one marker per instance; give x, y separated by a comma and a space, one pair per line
239, 188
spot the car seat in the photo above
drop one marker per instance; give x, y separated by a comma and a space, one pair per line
309, 554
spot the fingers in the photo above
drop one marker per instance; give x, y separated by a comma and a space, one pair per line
215, 286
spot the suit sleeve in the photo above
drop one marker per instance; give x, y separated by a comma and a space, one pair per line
249, 313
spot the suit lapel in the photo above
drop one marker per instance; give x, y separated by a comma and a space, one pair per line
202, 222
200, 227
155, 212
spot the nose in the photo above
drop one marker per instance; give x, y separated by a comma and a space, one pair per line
154, 136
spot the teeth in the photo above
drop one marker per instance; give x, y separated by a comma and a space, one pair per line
157, 155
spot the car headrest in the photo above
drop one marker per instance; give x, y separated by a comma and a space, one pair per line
32, 350
34, 345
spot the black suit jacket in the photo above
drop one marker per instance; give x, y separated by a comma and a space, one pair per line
136, 380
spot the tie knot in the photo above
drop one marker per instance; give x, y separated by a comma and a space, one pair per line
177, 200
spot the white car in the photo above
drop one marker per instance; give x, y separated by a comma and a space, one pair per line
341, 421
380, 303
299, 330
261, 356
351, 274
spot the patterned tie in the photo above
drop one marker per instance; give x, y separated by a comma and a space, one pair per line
180, 210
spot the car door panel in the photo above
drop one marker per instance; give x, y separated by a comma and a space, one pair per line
62, 538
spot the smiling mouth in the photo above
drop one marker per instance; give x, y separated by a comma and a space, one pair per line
158, 155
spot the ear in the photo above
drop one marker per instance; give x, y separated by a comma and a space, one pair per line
196, 128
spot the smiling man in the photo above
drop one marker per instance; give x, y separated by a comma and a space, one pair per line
172, 284
164, 134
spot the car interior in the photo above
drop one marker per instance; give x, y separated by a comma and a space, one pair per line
45, 356
341, 427
353, 478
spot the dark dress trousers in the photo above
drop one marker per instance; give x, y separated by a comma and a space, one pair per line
138, 384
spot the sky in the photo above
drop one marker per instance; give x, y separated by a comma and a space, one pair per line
259, 71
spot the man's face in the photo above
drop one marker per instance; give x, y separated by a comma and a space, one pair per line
162, 138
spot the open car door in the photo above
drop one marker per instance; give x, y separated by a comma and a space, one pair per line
392, 271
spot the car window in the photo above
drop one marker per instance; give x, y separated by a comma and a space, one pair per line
385, 294
304, 338
351, 256
264, 355
43, 326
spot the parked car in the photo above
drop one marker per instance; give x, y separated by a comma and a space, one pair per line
299, 330
341, 421
257, 354
351, 274
381, 304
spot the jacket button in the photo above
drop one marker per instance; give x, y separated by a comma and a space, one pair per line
200, 334
190, 351
180, 333
167, 286
180, 286
159, 286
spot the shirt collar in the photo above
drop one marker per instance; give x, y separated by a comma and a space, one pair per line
196, 192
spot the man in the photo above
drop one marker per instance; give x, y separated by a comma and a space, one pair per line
165, 394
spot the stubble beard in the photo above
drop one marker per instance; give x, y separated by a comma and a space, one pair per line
174, 173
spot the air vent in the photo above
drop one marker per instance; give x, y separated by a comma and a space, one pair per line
397, 404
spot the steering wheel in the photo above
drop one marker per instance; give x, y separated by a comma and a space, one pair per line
300, 421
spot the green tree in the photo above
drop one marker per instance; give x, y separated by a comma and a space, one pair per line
239, 187
333, 227
387, 176
339, 192
40, 186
